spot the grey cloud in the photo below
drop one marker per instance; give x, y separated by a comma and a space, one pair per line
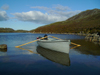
57, 7
41, 7
61, 8
3, 16
5, 7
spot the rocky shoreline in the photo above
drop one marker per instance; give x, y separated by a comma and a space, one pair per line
93, 38
89, 37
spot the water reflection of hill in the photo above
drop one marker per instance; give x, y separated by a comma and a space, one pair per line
87, 47
58, 57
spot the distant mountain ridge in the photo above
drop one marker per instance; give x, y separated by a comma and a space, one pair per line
85, 14
87, 21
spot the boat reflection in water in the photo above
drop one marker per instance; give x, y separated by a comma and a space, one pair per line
58, 57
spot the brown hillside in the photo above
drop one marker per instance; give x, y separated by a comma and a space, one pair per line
87, 21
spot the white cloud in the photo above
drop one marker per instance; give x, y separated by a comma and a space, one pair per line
37, 17
54, 14
3, 16
5, 7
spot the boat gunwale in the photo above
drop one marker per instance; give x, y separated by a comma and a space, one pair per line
52, 41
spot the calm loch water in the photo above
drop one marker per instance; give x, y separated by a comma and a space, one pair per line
32, 59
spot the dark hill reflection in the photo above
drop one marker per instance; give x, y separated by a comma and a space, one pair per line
88, 48
58, 57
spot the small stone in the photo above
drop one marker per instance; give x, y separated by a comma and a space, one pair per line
3, 46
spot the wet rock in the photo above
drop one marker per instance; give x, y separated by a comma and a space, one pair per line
3, 46
93, 38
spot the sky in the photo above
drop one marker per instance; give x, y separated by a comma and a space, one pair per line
30, 14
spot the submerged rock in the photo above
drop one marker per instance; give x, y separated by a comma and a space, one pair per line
3, 46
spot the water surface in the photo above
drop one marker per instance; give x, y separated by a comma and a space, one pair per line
34, 60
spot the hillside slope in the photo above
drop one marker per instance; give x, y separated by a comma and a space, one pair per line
87, 21
10, 30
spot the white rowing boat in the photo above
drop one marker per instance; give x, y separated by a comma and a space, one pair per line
56, 45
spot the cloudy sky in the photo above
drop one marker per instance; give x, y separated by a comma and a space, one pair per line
30, 14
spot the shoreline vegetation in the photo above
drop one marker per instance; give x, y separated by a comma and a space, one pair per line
10, 30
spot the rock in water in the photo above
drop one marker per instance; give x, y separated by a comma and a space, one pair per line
3, 46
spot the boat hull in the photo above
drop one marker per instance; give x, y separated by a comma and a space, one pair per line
56, 45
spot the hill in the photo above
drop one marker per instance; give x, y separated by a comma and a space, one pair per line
87, 21
10, 30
